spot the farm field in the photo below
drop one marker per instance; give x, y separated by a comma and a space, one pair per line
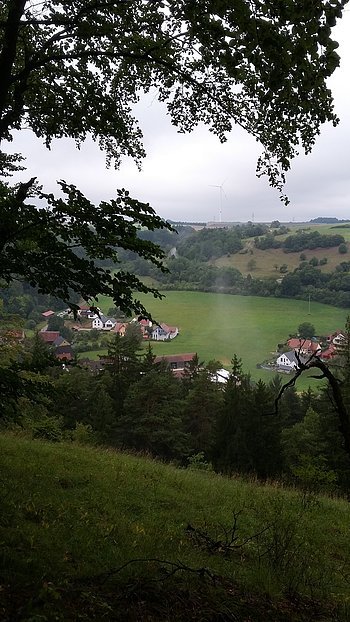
217, 326
325, 229
269, 261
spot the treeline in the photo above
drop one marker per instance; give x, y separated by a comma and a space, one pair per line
306, 280
298, 242
189, 267
134, 404
209, 244
22, 299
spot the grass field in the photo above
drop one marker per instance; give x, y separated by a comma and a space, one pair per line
72, 516
269, 261
217, 326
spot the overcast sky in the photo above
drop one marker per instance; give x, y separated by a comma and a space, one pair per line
180, 172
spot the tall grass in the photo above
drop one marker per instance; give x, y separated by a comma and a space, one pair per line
71, 512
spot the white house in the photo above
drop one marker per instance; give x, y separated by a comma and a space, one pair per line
221, 376
103, 323
164, 332
339, 340
288, 361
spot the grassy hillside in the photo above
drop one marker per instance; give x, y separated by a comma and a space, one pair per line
269, 261
73, 516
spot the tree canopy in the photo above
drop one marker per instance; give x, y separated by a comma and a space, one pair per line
76, 69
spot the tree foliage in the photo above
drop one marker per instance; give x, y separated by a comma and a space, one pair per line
76, 69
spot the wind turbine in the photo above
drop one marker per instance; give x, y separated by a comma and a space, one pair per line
222, 192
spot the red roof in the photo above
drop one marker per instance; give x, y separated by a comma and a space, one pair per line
303, 344
145, 323
175, 358
169, 329
48, 313
329, 353
49, 336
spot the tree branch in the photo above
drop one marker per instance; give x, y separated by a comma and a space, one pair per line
315, 362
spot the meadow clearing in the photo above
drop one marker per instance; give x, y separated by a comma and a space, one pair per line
217, 326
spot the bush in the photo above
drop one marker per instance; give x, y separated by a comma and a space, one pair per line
49, 429
30, 324
198, 463
83, 434
342, 249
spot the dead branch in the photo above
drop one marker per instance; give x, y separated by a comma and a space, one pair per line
231, 543
167, 568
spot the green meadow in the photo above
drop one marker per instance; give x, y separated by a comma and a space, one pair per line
91, 534
217, 326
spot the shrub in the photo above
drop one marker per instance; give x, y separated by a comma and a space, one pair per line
48, 428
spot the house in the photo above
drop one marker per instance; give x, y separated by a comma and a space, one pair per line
101, 322
176, 362
146, 328
60, 341
221, 376
306, 347
157, 332
339, 340
330, 353
49, 336
64, 353
11, 335
163, 332
120, 328
84, 312
288, 361
62, 348
47, 314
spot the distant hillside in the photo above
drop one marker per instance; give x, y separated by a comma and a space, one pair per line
326, 220
88, 535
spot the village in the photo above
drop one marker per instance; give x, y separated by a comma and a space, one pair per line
88, 321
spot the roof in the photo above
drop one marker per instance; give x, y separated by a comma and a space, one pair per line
303, 344
119, 326
49, 336
168, 329
145, 323
104, 319
291, 356
48, 313
59, 341
329, 353
64, 352
175, 358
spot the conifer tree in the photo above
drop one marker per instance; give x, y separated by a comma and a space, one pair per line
152, 420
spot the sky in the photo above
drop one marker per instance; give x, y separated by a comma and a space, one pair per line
182, 174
